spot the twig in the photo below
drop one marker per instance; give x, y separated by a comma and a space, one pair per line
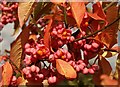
94, 33
109, 5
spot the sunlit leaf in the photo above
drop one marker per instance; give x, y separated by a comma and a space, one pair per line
17, 46
65, 69
108, 54
78, 11
7, 73
24, 11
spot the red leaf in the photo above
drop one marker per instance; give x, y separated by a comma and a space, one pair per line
78, 10
47, 34
109, 36
98, 13
105, 65
7, 73
65, 69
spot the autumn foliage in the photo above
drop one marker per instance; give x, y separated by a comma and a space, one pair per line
58, 40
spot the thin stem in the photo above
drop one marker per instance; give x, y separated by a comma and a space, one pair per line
65, 17
111, 50
109, 5
94, 33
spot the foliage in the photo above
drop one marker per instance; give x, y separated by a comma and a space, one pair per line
57, 42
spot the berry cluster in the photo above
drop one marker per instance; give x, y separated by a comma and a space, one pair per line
9, 11
13, 81
32, 72
80, 66
35, 51
60, 35
61, 54
37, 54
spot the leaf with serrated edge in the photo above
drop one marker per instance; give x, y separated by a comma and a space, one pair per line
65, 69
7, 73
24, 11
78, 11
17, 46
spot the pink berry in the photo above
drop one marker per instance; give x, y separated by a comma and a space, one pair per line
95, 45
41, 76
52, 79
95, 67
27, 45
85, 71
81, 66
14, 78
37, 69
77, 68
79, 61
91, 71
68, 55
33, 68
89, 47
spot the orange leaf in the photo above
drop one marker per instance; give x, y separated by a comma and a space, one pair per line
17, 46
109, 36
78, 10
47, 34
65, 69
98, 13
106, 80
7, 73
24, 11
